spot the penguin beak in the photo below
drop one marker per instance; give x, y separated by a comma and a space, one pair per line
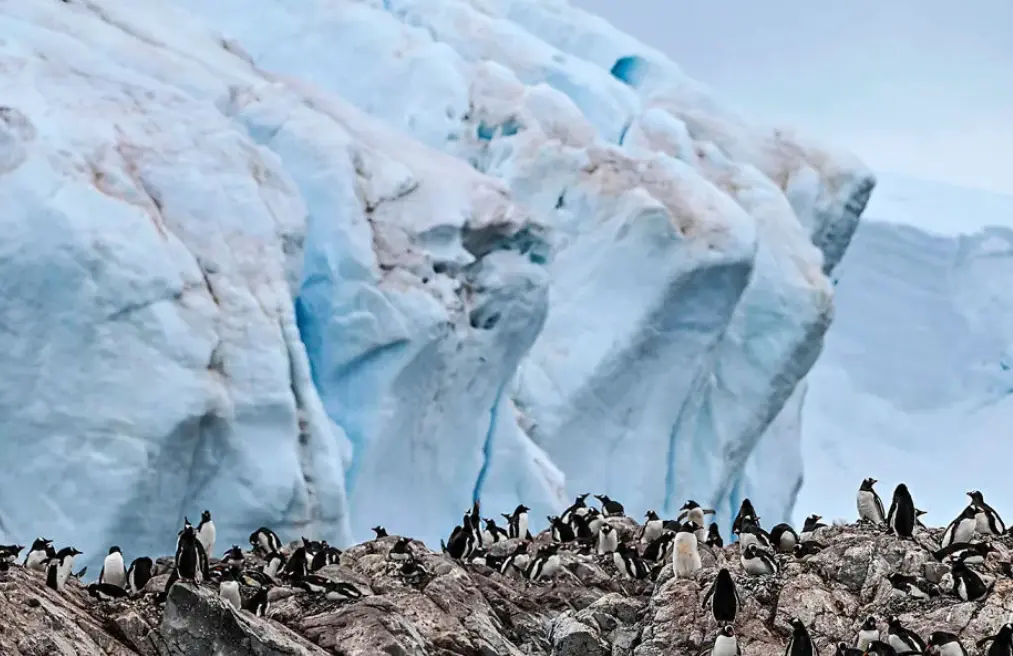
874, 481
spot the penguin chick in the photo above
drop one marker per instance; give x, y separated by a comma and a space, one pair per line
758, 563
967, 584
686, 555
228, 589
870, 506
912, 586
969, 553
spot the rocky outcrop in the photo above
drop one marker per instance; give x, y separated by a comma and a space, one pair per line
436, 606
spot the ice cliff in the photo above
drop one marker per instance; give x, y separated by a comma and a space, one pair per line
334, 263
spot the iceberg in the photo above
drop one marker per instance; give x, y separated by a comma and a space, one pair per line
327, 265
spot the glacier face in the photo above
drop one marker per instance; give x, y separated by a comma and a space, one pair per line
363, 261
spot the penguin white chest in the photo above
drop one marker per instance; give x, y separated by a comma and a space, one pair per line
951, 649
36, 561
608, 542
725, 646
652, 530
229, 591
866, 637
756, 566
900, 644
686, 557
113, 572
206, 537
620, 564
551, 567
63, 572
867, 507
522, 525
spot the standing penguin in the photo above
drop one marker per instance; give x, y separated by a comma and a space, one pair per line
259, 604
139, 574
188, 556
517, 522
59, 567
579, 506
41, 551
629, 563
967, 584
1002, 642
903, 639
870, 506
608, 539
113, 571
206, 533
379, 532
746, 510
945, 644
652, 527
686, 556
757, 562
988, 520
494, 533
901, 517
228, 590
714, 537
723, 598
725, 643
610, 508
783, 538
560, 530
868, 633
545, 564
800, 643
658, 548
960, 529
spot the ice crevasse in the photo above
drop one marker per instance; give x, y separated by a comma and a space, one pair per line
329, 264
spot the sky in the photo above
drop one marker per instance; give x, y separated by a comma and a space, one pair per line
923, 88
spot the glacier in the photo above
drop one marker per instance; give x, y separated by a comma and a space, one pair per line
364, 261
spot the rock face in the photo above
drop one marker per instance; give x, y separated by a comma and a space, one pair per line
451, 609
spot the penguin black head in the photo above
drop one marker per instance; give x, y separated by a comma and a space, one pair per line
970, 512
727, 631
205, 517
713, 531
797, 624
521, 548
40, 544
606, 528
521, 509
623, 548
976, 497
690, 505
870, 623
651, 516
751, 550
549, 549
604, 498
868, 483
901, 490
67, 551
186, 521
401, 546
490, 524
113, 550
688, 527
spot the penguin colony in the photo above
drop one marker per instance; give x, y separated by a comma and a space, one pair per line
586, 531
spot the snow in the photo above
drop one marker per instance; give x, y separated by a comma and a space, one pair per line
327, 265
915, 382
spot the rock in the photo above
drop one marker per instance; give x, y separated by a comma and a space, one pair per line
573, 638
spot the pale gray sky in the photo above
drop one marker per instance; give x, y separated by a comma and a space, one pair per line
920, 87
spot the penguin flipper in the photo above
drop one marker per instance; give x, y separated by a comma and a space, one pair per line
709, 594
81, 573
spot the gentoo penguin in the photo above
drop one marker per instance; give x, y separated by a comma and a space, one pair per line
745, 510
517, 522
608, 539
59, 567
686, 555
265, 541
652, 527
757, 562
723, 598
233, 556
945, 644
969, 553
41, 551
692, 511
844, 650
810, 526
579, 506
106, 591
868, 632
988, 520
725, 643
473, 519
581, 527
751, 533
783, 538
901, 517
259, 604
342, 591
228, 590
297, 565
594, 519
114, 572
379, 531
518, 559
967, 584
9, 553
800, 643
401, 550
903, 639
628, 562
1002, 642
912, 586
880, 648
714, 537
139, 574
658, 548
561, 531
808, 548
493, 533
870, 506
188, 556
610, 508
960, 529
545, 564
274, 564
327, 556
206, 533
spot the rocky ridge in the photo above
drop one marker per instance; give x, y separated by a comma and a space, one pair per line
443, 607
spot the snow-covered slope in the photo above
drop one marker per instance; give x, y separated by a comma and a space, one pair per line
518, 253
915, 383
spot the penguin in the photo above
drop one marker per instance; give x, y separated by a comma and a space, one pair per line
784, 538
233, 556
474, 519
401, 550
912, 586
960, 529
945, 644
844, 650
725, 643
608, 540
714, 537
610, 508
967, 584
495, 533
274, 564
106, 591
988, 520
751, 533
259, 604
342, 591
582, 527
59, 567
903, 639
870, 506
658, 548
139, 574
810, 526
800, 643
880, 648
692, 511
686, 555
113, 571
9, 553
594, 519
188, 556
869, 631
206, 533
313, 583
808, 548
545, 564
517, 522
313, 547
579, 506
42, 550
901, 517
462, 541
723, 598
918, 518
494, 561
297, 565
561, 531
629, 563
265, 541
757, 562
518, 559
323, 558
379, 531
969, 553
228, 589
745, 510
672, 525
1002, 642
652, 527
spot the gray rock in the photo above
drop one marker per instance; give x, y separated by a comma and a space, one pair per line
571, 637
